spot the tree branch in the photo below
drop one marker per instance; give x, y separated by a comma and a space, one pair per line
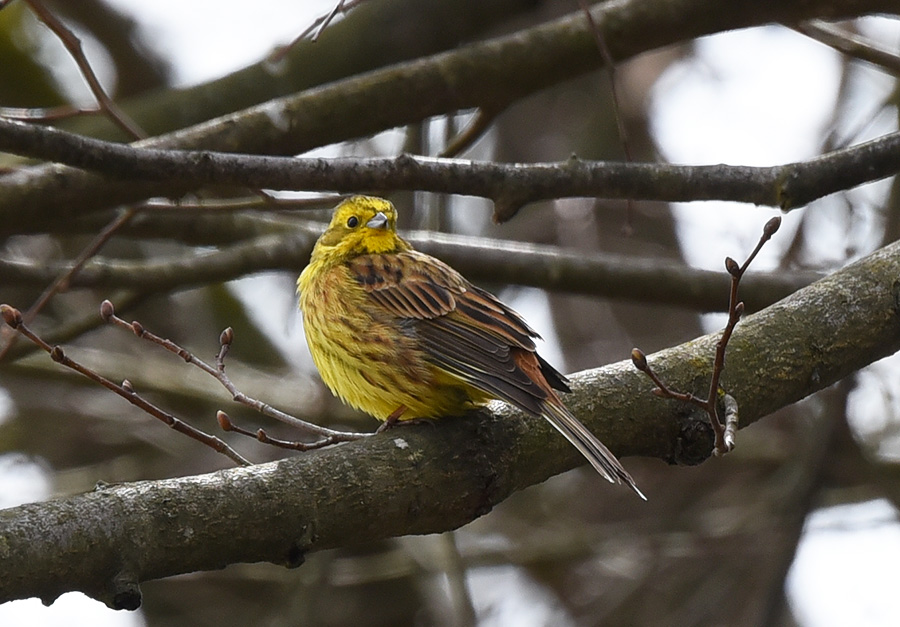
106, 542
489, 75
510, 186
76, 50
352, 46
851, 44
650, 279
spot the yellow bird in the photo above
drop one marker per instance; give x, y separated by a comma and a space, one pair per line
400, 335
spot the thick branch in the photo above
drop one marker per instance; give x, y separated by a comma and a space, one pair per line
650, 279
108, 541
488, 75
509, 185
354, 45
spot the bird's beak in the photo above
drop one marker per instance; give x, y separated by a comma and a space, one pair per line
380, 221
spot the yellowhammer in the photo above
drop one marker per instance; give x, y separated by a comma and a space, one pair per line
402, 335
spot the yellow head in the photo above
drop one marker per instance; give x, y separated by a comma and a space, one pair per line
360, 225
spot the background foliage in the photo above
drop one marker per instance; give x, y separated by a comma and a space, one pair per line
715, 543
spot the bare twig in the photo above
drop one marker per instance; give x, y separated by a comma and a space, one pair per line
13, 317
610, 65
328, 436
73, 45
639, 359
735, 310
226, 424
319, 25
470, 134
724, 428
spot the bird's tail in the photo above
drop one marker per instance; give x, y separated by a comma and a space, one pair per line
587, 444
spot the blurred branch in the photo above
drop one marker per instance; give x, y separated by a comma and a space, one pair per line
138, 66
510, 186
610, 67
63, 280
481, 259
46, 114
352, 46
807, 472
455, 469
476, 129
490, 75
73, 44
851, 44
264, 253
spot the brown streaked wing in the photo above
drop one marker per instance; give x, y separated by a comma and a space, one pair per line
490, 317
409, 284
463, 329
487, 312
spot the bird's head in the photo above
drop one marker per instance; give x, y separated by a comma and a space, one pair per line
361, 225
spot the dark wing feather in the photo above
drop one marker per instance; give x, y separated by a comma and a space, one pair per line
492, 370
555, 378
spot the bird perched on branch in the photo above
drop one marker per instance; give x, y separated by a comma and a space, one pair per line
401, 335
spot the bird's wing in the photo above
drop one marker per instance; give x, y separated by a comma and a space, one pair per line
463, 329
409, 284
468, 332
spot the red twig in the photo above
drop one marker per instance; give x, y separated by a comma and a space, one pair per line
724, 427
327, 436
13, 317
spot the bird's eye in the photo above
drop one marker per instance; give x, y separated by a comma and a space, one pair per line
352, 222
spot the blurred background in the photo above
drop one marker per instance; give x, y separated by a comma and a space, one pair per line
798, 526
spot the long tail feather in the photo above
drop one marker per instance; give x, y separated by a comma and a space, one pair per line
588, 445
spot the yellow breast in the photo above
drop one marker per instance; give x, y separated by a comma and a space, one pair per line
366, 358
